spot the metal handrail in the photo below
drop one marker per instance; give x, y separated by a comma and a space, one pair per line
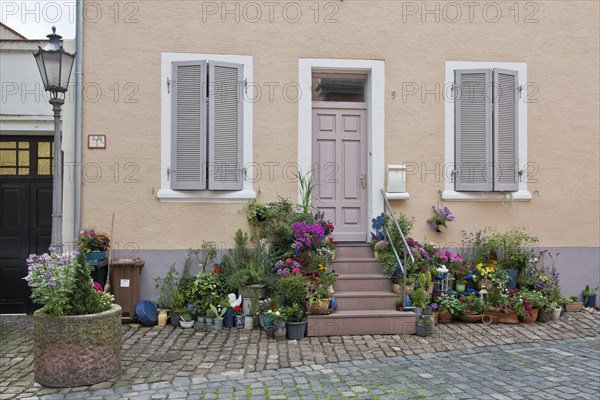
403, 266
386, 204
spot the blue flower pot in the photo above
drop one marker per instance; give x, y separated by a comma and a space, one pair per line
228, 318
591, 301
95, 255
333, 303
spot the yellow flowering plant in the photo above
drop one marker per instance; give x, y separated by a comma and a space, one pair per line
485, 270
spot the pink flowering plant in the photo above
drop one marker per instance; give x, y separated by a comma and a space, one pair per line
90, 240
287, 267
62, 284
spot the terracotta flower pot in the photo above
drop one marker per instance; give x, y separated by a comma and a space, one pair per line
444, 317
508, 318
470, 318
531, 317
574, 307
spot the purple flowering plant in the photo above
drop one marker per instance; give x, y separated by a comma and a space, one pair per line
287, 267
63, 285
307, 236
440, 218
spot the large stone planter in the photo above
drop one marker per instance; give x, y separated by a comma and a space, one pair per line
77, 350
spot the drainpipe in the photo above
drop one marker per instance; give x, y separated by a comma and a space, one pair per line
78, 113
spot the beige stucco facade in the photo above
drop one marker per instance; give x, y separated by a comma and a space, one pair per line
557, 40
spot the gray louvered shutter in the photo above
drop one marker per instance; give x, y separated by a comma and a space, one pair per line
473, 130
506, 104
188, 126
225, 126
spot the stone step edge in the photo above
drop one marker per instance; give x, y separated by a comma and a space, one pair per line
366, 314
350, 277
356, 260
346, 294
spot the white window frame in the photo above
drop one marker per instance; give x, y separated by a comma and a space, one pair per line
166, 194
449, 193
375, 98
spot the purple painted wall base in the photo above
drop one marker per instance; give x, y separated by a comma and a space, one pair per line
578, 266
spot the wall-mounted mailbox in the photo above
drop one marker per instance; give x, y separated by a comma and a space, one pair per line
396, 178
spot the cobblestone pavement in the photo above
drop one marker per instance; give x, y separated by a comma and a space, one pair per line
558, 359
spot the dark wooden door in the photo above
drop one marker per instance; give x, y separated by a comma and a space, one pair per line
25, 214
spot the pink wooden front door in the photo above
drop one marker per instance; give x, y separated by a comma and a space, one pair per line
340, 167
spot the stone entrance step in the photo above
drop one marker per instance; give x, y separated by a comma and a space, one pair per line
365, 322
367, 300
362, 282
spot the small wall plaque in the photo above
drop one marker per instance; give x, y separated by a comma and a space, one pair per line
96, 141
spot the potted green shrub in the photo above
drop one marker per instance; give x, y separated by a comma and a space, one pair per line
399, 304
210, 316
179, 306
218, 312
536, 301
419, 300
186, 320
589, 296
573, 305
77, 322
295, 322
449, 307
424, 326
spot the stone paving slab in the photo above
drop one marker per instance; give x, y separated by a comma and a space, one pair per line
214, 357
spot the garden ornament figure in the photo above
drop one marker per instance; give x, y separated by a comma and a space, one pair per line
233, 302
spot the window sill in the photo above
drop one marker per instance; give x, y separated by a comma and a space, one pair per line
177, 196
397, 196
521, 195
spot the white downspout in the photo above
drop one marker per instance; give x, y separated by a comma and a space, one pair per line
78, 115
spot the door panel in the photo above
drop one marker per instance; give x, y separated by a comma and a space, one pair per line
25, 214
41, 216
14, 204
339, 162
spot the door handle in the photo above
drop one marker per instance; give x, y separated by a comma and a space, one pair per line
363, 181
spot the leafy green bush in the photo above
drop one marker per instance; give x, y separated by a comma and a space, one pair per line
167, 285
293, 288
62, 284
418, 297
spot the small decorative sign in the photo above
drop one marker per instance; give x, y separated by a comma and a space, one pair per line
124, 282
96, 141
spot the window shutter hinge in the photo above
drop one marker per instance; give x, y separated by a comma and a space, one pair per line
246, 86
169, 174
168, 85
520, 89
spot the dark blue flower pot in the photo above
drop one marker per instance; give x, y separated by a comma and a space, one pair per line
95, 255
591, 301
333, 303
228, 318
407, 301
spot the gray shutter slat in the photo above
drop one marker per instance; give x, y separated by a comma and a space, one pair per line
506, 102
225, 126
188, 126
473, 130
